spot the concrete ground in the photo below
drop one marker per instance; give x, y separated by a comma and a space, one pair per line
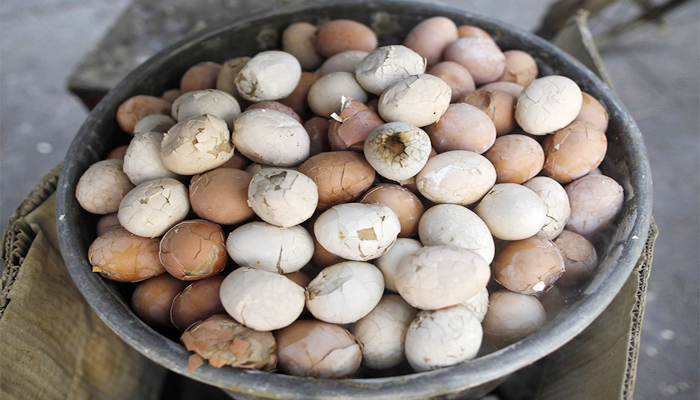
654, 70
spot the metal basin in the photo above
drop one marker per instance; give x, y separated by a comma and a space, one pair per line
619, 247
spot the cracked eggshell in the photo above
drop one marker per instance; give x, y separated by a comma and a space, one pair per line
282, 197
327, 93
153, 207
455, 225
221, 195
346, 61
580, 257
269, 75
271, 137
574, 151
462, 127
270, 248
521, 68
341, 176
511, 317
406, 204
418, 100
317, 349
193, 250
529, 266
121, 256
261, 300
478, 304
397, 151
388, 263
386, 65
555, 200
381, 333
457, 177
440, 338
198, 301
102, 187
512, 211
175, 108
210, 101
196, 145
435, 277
154, 123
595, 200
142, 161
345, 292
480, 56
516, 158
358, 232
548, 104
455, 75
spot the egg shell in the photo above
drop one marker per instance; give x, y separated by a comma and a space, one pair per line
435, 277
555, 200
462, 127
345, 292
516, 158
121, 256
317, 349
418, 100
282, 197
430, 37
596, 200
548, 104
226, 81
271, 248
221, 195
154, 123
261, 300
382, 332
210, 101
271, 137
512, 211
456, 177
358, 232
196, 145
193, 249
103, 186
529, 266
455, 225
386, 65
269, 75
397, 151
405, 204
478, 304
440, 338
153, 207
276, 106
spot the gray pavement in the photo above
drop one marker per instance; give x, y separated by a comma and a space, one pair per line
655, 70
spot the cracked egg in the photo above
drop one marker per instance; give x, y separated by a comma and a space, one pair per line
193, 250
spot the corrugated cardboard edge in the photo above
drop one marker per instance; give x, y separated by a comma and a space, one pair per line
54, 346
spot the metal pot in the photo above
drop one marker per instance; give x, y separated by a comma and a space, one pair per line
619, 247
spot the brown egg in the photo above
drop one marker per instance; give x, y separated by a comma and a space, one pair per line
508, 87
107, 223
118, 153
404, 203
580, 258
221, 195
200, 76
303, 348
498, 105
153, 297
472, 31
137, 107
482, 57
339, 35
358, 121
521, 68
596, 200
574, 151
298, 40
456, 76
593, 111
238, 161
198, 301
341, 176
171, 94
277, 106
529, 266
297, 100
194, 249
517, 158
511, 317
317, 128
430, 37
462, 127
122, 256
